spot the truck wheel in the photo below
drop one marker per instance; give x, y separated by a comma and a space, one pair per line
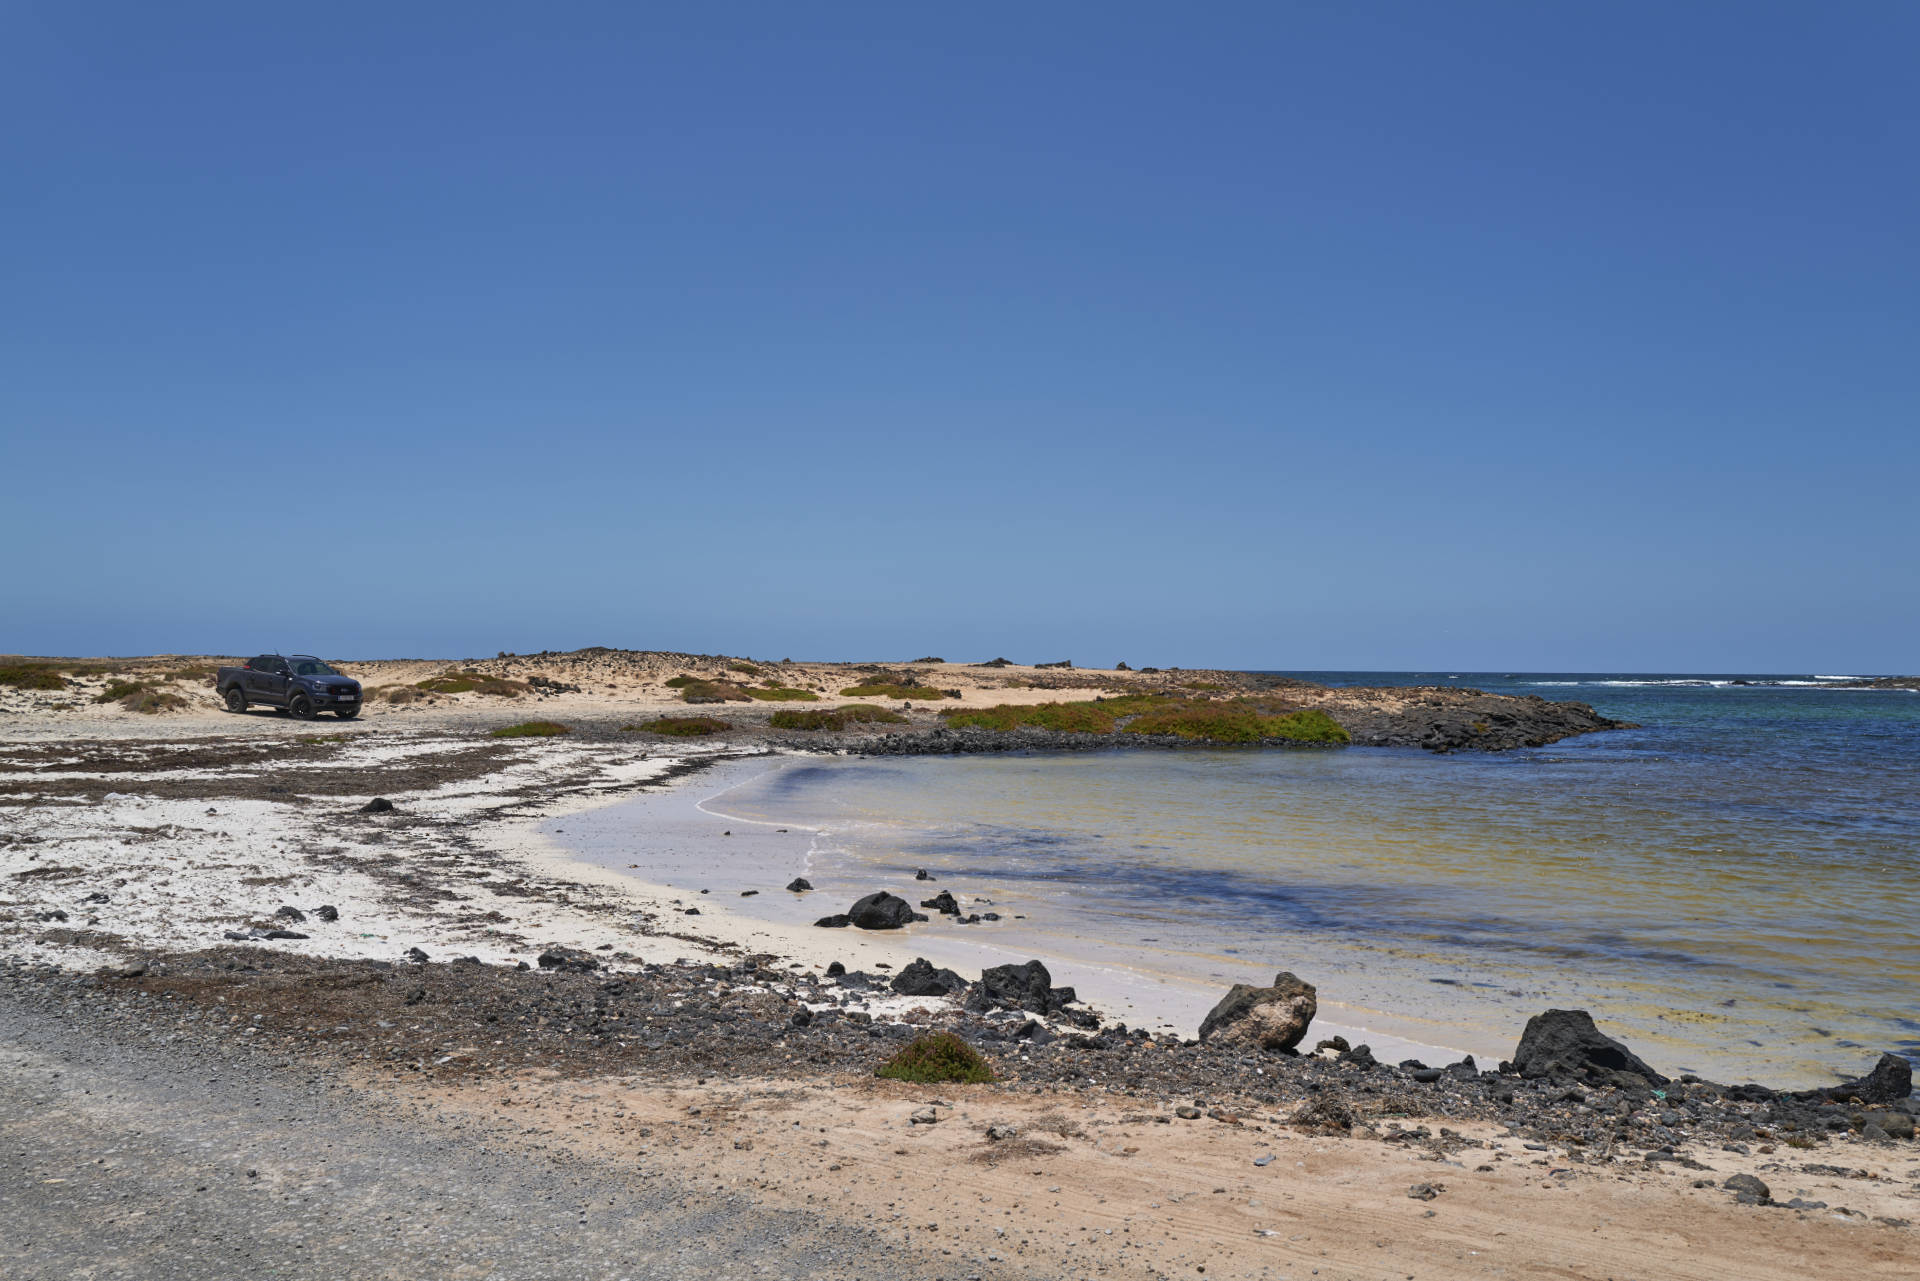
346, 713
301, 706
236, 701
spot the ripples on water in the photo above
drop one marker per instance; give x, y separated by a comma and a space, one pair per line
1729, 884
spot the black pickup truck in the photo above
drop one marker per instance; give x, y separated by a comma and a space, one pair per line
300, 684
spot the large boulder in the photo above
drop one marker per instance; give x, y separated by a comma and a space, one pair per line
881, 911
1271, 1018
1564, 1044
922, 979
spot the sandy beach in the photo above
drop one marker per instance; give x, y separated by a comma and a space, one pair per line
666, 1038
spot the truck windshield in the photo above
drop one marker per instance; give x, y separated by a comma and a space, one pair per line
312, 667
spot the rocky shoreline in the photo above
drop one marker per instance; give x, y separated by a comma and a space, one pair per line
580, 1017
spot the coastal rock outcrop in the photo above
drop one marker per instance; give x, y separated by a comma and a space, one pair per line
943, 902
1890, 1082
1272, 1018
881, 911
1565, 1044
922, 979
1026, 987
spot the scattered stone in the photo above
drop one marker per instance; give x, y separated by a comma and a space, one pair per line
1325, 1112
922, 979
924, 1116
1263, 1160
924, 875
568, 960
691, 911
1187, 1112
417, 956
327, 913
1338, 1044
835, 969
838, 921
378, 805
1426, 1191
943, 903
1896, 1125
293, 914
748, 893
802, 1017
285, 934
1565, 1044
98, 896
1272, 1018
799, 885
998, 1133
1748, 1189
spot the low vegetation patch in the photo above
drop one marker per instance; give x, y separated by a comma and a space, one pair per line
1094, 716
530, 729
1203, 720
783, 694
837, 718
472, 682
745, 668
32, 676
150, 701
681, 726
937, 1059
1238, 721
924, 693
117, 690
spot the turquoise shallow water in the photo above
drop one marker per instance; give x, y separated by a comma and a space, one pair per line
1729, 886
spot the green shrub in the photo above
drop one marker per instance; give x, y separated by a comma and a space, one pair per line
783, 695
745, 668
713, 692
837, 718
924, 693
1238, 721
148, 700
118, 690
530, 729
1096, 716
1066, 718
32, 676
936, 1059
682, 726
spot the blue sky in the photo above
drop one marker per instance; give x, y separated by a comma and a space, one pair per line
1509, 336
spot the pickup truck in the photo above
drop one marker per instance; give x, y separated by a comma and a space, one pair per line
300, 684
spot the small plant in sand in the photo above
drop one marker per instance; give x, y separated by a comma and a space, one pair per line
745, 668
681, 726
119, 689
530, 729
837, 718
149, 700
938, 1058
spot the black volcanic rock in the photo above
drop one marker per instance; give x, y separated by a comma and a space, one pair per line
1565, 1044
922, 979
881, 911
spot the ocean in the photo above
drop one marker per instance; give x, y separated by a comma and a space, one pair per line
1729, 887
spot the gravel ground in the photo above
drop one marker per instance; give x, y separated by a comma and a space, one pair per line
134, 1155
